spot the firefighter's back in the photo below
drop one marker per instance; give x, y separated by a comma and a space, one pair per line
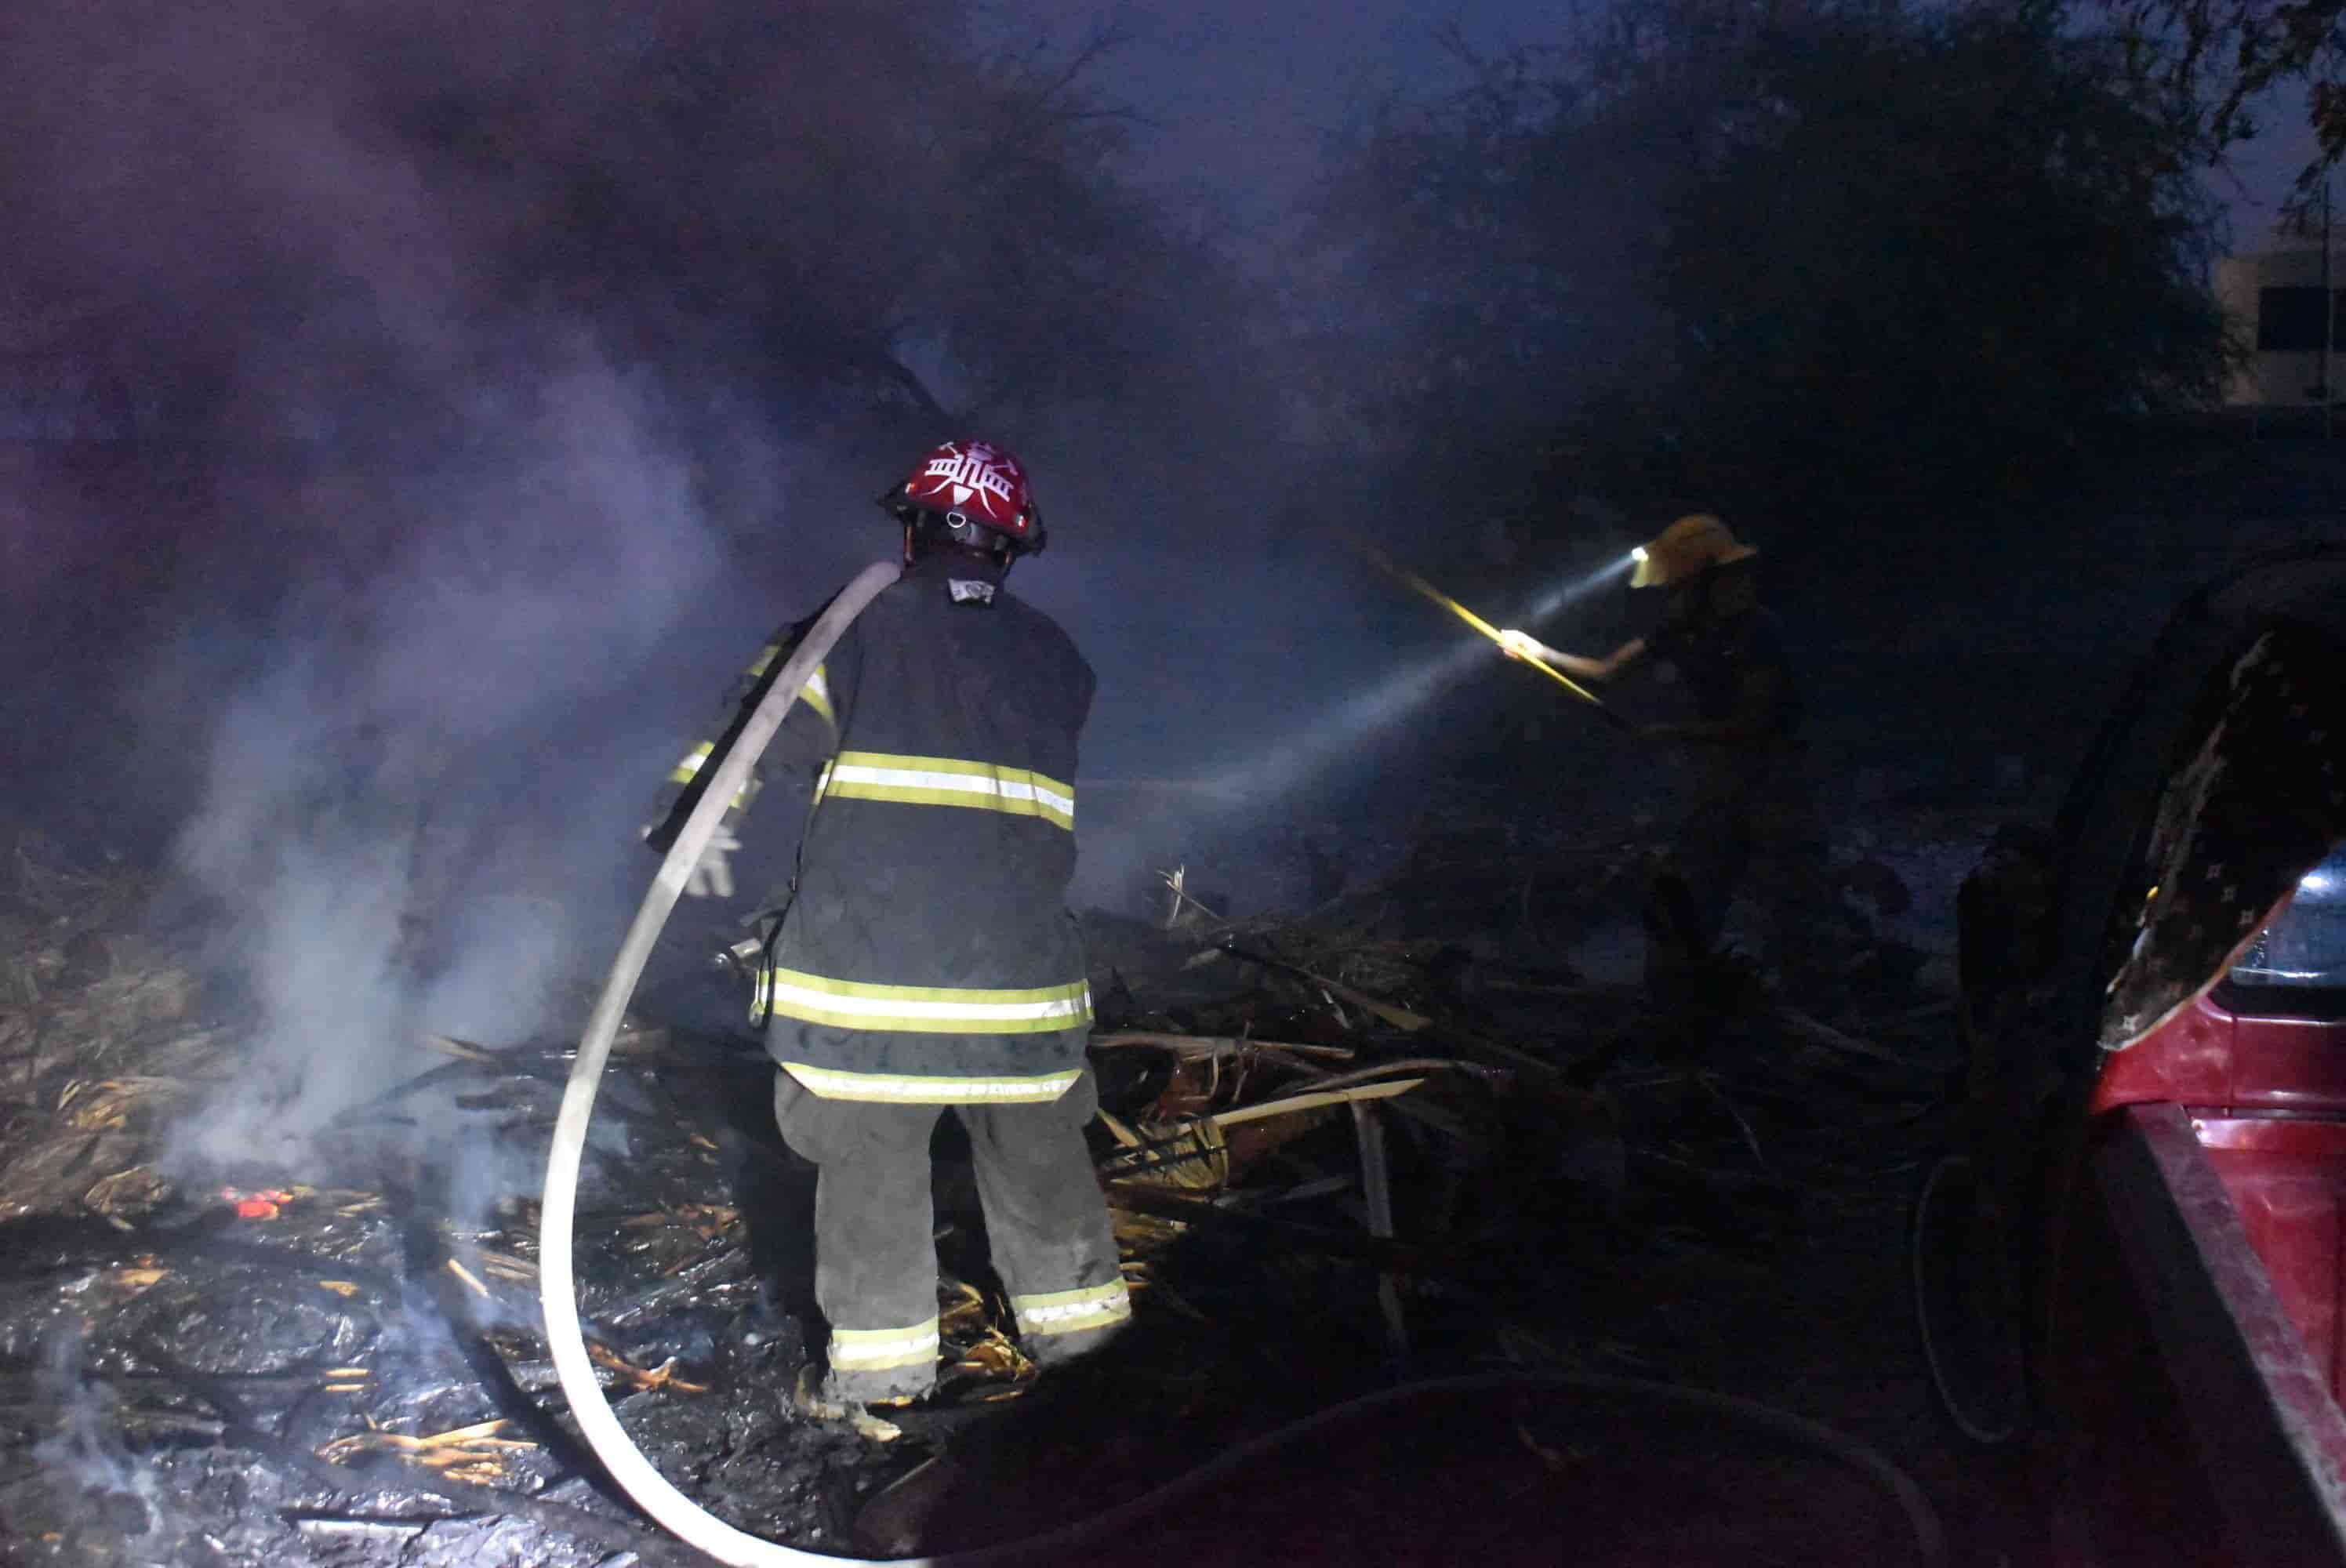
938, 856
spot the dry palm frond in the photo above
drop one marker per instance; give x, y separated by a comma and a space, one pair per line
960, 1308
134, 1191
1212, 1046
1139, 1235
475, 1453
660, 1376
503, 1266
971, 1328
1191, 1155
106, 1105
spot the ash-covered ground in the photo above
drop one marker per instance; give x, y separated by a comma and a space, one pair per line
330, 1355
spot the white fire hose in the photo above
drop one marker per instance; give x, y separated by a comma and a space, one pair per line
557, 1293
703, 1531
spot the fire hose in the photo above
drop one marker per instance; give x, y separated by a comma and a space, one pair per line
695, 1526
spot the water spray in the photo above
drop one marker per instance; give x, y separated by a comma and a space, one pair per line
1411, 580
1400, 692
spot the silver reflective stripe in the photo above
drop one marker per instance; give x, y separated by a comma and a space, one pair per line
930, 1009
878, 1350
1072, 1311
1005, 786
1072, 1003
903, 1089
950, 781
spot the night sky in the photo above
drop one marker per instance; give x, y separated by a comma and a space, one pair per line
1237, 100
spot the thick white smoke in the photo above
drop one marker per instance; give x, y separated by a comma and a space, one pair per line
397, 803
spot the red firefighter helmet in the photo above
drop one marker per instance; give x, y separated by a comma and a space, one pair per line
963, 483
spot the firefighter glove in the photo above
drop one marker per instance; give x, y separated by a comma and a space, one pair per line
712, 875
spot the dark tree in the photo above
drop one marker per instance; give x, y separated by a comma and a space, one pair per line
1792, 256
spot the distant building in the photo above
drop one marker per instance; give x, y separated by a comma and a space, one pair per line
2275, 313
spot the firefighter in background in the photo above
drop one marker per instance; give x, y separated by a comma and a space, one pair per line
1752, 810
926, 957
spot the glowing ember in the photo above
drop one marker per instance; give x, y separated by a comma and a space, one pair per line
260, 1205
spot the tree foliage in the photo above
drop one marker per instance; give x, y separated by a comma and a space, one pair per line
1809, 250
2208, 61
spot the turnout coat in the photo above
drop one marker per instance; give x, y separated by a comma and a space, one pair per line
925, 954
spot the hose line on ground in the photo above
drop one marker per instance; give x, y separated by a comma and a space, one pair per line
1930, 1536
698, 1528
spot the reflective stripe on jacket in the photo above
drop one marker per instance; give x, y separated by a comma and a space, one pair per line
926, 956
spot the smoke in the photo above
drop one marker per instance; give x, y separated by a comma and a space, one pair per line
381, 614
393, 806
85, 1446
514, 370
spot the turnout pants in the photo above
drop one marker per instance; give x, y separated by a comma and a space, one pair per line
1752, 822
875, 1275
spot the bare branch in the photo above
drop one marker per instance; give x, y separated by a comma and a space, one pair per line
904, 376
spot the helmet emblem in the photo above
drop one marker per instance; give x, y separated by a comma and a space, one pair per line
969, 471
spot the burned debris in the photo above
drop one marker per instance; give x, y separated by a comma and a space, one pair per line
1338, 1150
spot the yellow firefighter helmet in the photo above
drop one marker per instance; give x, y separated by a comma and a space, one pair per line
1687, 548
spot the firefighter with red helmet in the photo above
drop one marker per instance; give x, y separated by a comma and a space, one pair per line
1751, 807
926, 957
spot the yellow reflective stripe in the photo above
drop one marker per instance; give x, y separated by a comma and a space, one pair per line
901, 1089
690, 768
817, 695
817, 691
958, 767
949, 781
879, 1349
928, 1009
1072, 1311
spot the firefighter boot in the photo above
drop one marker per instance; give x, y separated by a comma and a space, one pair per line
808, 1398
